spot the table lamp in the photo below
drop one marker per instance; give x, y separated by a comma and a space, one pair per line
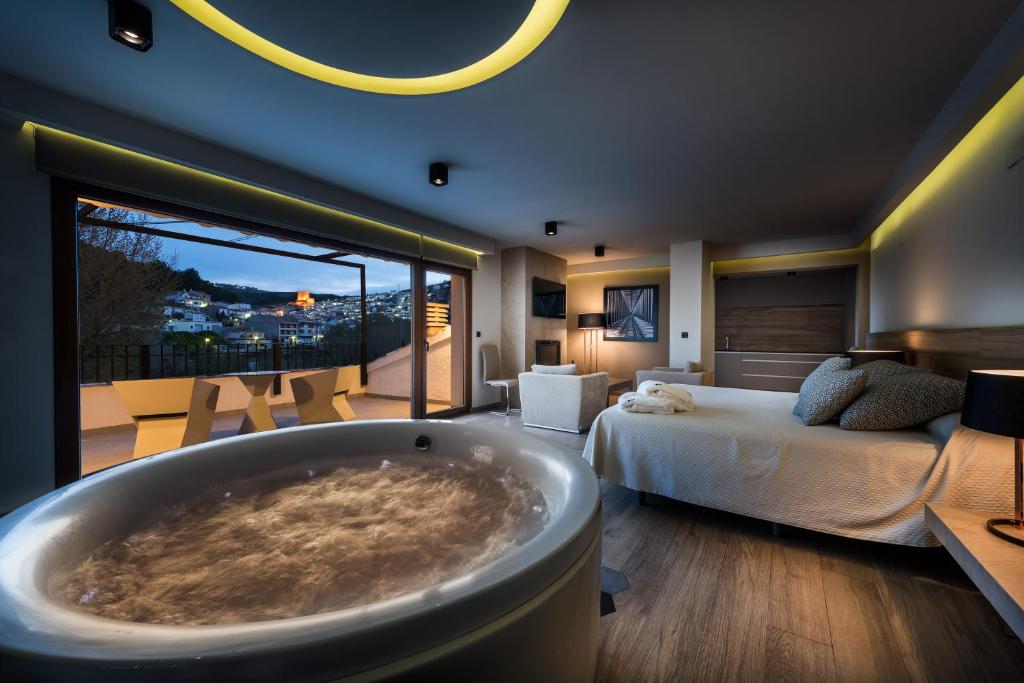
994, 403
590, 323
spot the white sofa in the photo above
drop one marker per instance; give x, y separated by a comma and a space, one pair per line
562, 401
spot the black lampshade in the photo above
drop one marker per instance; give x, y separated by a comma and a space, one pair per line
551, 228
861, 356
591, 321
995, 402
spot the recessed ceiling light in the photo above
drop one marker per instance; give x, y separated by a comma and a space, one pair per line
131, 24
438, 174
551, 228
541, 20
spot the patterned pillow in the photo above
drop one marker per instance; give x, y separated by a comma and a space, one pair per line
903, 401
829, 393
884, 369
834, 364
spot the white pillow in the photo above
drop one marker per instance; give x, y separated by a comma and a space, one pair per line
569, 369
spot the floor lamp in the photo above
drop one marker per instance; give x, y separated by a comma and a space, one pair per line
591, 324
995, 404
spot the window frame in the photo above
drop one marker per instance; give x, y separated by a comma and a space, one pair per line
64, 197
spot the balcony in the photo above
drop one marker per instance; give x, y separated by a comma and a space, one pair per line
108, 433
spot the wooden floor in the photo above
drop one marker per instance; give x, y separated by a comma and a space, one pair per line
715, 597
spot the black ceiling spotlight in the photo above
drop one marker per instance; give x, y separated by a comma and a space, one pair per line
599, 250
131, 24
551, 228
438, 174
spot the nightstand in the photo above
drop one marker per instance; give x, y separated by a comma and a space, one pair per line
995, 566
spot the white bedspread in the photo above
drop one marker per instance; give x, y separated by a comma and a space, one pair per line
744, 451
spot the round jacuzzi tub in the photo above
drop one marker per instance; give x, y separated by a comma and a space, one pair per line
529, 614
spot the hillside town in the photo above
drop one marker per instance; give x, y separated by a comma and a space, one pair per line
305, 320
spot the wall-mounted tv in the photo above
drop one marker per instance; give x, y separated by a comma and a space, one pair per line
548, 299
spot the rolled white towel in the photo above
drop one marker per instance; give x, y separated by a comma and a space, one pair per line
635, 402
677, 393
648, 387
682, 400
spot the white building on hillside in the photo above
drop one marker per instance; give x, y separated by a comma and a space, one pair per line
190, 298
193, 326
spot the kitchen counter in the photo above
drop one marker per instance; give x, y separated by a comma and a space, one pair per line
823, 354
766, 370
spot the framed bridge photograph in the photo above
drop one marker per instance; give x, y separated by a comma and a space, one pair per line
631, 313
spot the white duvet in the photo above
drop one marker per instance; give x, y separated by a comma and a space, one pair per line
744, 451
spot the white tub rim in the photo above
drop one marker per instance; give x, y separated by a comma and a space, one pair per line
34, 624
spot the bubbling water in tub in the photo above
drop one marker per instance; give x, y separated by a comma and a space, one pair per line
345, 538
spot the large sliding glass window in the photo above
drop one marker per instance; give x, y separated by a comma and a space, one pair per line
445, 298
193, 331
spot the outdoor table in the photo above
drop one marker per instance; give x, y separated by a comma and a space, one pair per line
257, 414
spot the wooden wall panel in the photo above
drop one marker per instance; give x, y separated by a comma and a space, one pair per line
953, 352
794, 329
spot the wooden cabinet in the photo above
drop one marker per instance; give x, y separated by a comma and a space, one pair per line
765, 371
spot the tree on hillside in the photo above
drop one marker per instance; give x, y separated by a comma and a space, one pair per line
189, 278
123, 278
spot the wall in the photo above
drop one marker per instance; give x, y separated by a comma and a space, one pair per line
519, 328
806, 288
548, 267
858, 258
514, 299
782, 329
952, 254
585, 294
486, 324
692, 305
26, 452
808, 312
390, 376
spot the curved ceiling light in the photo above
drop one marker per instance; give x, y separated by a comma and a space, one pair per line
542, 18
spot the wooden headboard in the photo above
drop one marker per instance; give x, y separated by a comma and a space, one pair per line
953, 352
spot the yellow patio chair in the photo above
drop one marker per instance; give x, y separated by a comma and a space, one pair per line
168, 413
323, 396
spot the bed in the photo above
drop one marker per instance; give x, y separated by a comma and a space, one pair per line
743, 451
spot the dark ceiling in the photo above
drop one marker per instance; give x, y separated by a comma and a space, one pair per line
636, 123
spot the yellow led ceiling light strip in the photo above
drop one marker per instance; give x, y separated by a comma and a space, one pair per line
542, 18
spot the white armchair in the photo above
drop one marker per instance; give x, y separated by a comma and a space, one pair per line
565, 402
692, 374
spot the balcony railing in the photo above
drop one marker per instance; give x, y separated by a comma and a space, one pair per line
111, 362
